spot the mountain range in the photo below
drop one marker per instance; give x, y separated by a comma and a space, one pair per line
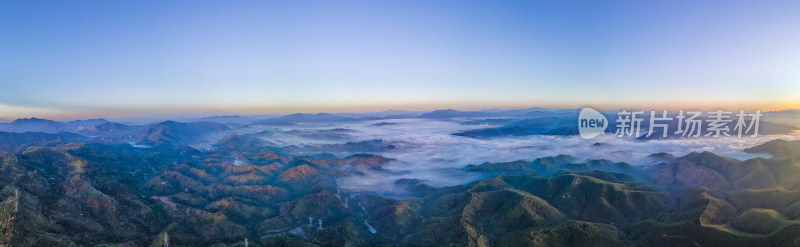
120, 195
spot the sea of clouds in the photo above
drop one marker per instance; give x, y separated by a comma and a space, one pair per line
426, 149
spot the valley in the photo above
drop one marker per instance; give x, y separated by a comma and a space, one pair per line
359, 183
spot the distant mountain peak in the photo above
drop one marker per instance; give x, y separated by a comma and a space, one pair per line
777, 148
32, 119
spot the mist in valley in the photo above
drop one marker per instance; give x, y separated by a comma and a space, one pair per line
426, 151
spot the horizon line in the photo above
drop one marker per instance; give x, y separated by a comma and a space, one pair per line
191, 115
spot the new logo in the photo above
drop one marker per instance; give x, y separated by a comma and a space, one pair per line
591, 123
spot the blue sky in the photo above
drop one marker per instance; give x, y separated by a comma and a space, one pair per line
69, 59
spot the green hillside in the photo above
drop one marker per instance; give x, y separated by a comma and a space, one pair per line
117, 195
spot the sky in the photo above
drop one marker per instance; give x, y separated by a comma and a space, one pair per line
81, 59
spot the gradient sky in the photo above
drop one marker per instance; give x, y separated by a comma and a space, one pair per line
73, 59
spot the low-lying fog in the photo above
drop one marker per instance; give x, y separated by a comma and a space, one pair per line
426, 149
